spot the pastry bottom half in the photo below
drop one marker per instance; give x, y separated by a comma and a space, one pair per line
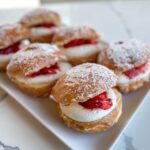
99, 125
3, 66
131, 86
36, 90
41, 38
83, 59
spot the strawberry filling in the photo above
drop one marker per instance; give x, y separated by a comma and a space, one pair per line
10, 49
100, 101
45, 25
79, 42
135, 71
46, 70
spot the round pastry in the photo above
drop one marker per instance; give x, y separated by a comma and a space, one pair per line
42, 21
13, 37
80, 44
36, 68
87, 100
130, 61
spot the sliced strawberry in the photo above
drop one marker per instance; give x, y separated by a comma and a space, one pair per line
100, 101
103, 96
79, 42
106, 104
135, 71
10, 49
46, 70
46, 25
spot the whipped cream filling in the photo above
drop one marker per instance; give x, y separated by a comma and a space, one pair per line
7, 57
64, 66
25, 42
124, 80
83, 50
81, 114
40, 30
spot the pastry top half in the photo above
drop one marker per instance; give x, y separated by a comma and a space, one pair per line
65, 35
12, 33
83, 82
125, 55
40, 16
33, 58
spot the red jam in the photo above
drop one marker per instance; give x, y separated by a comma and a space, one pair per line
46, 70
10, 49
100, 101
46, 25
135, 71
79, 42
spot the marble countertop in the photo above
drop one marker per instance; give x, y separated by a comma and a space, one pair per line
20, 131
114, 20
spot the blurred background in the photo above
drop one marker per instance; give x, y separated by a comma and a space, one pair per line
5, 4
128, 17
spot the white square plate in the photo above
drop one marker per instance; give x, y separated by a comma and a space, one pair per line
45, 111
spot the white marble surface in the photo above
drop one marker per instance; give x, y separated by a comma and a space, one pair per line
114, 20
18, 3
20, 131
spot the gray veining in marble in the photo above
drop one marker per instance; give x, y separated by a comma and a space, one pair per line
6, 147
2, 97
121, 17
128, 142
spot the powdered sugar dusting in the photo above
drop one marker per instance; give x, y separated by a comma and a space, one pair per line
11, 33
41, 11
66, 34
35, 57
41, 15
128, 54
89, 80
74, 31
